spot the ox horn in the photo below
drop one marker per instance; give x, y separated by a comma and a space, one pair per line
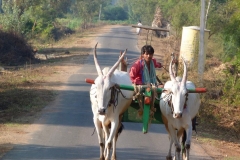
99, 71
117, 63
171, 72
184, 79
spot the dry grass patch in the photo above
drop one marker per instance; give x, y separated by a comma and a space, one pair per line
26, 89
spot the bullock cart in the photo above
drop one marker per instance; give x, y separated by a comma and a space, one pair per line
145, 102
149, 115
150, 112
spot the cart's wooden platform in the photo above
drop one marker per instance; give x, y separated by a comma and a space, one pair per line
131, 115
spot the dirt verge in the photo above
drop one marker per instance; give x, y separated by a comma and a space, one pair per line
51, 76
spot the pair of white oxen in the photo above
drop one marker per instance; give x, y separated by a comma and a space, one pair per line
178, 107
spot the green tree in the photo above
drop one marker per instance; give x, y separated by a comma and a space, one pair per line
141, 10
29, 16
231, 33
180, 13
87, 10
114, 13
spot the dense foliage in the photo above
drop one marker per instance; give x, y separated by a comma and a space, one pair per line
49, 20
222, 19
38, 19
115, 13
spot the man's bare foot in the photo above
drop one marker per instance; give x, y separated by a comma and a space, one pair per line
161, 86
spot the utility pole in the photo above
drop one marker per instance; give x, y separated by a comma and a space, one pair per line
201, 56
100, 10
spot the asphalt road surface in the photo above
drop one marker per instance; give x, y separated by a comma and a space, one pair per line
67, 124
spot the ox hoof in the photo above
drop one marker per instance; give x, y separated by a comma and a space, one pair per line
187, 146
169, 158
184, 156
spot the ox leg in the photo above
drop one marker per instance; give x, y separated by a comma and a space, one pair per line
181, 133
106, 150
184, 136
188, 141
100, 135
114, 157
114, 142
173, 134
177, 152
165, 121
114, 127
169, 156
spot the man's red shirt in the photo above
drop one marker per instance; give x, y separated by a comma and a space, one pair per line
137, 69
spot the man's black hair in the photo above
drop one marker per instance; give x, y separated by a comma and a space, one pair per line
147, 48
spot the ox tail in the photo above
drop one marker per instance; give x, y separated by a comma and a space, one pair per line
184, 137
94, 131
120, 129
194, 124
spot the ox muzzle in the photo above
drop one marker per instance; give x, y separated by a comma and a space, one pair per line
177, 115
102, 111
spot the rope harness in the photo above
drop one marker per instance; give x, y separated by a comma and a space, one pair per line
139, 94
115, 90
168, 98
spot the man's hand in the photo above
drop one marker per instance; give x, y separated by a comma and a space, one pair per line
159, 65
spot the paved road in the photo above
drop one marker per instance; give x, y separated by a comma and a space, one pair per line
67, 126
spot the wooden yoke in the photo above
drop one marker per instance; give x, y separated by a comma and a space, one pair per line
147, 92
159, 90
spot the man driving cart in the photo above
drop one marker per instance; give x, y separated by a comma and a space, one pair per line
143, 70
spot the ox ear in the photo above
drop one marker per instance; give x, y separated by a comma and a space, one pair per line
99, 71
114, 67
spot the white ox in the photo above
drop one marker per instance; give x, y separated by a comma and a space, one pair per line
178, 108
108, 105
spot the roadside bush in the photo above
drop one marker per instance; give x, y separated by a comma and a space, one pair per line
14, 50
58, 33
115, 13
70, 22
232, 83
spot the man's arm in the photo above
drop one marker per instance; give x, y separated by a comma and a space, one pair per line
134, 73
156, 64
